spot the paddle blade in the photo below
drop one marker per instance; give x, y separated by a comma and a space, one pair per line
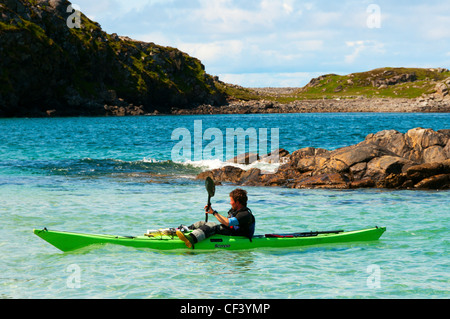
210, 187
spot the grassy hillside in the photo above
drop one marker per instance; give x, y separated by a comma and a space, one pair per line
383, 82
379, 83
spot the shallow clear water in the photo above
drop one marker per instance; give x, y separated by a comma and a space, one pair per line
114, 176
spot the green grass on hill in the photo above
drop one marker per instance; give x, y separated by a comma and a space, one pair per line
378, 83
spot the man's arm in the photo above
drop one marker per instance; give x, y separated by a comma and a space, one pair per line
222, 219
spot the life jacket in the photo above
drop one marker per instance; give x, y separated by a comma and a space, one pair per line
246, 226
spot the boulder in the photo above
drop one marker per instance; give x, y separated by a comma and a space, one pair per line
307, 152
305, 160
381, 167
434, 154
358, 170
246, 158
420, 138
445, 132
358, 153
332, 165
250, 177
307, 164
363, 183
447, 149
225, 174
229, 174
333, 180
441, 181
419, 172
388, 159
395, 181
279, 179
275, 156
390, 140
441, 89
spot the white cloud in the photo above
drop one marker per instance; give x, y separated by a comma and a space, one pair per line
230, 17
288, 7
358, 47
362, 46
213, 51
112, 8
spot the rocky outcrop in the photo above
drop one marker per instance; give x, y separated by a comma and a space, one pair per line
50, 65
376, 78
419, 159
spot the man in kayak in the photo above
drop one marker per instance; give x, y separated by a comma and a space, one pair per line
240, 221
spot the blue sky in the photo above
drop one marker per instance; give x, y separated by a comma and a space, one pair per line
259, 43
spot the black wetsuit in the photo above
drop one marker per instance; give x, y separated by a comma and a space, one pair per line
245, 228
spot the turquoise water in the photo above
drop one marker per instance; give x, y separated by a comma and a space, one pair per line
115, 176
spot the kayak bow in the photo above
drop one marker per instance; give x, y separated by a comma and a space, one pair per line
67, 242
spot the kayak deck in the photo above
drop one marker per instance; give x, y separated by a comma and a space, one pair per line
66, 241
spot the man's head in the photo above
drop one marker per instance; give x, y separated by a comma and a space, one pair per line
238, 199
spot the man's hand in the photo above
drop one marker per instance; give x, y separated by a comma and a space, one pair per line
220, 218
209, 210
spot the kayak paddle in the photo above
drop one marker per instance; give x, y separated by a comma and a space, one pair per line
211, 189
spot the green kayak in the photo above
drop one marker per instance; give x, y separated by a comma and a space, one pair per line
67, 242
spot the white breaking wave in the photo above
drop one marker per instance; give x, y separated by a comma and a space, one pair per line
211, 164
207, 165
152, 160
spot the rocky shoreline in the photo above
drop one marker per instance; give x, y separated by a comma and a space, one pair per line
369, 105
418, 159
